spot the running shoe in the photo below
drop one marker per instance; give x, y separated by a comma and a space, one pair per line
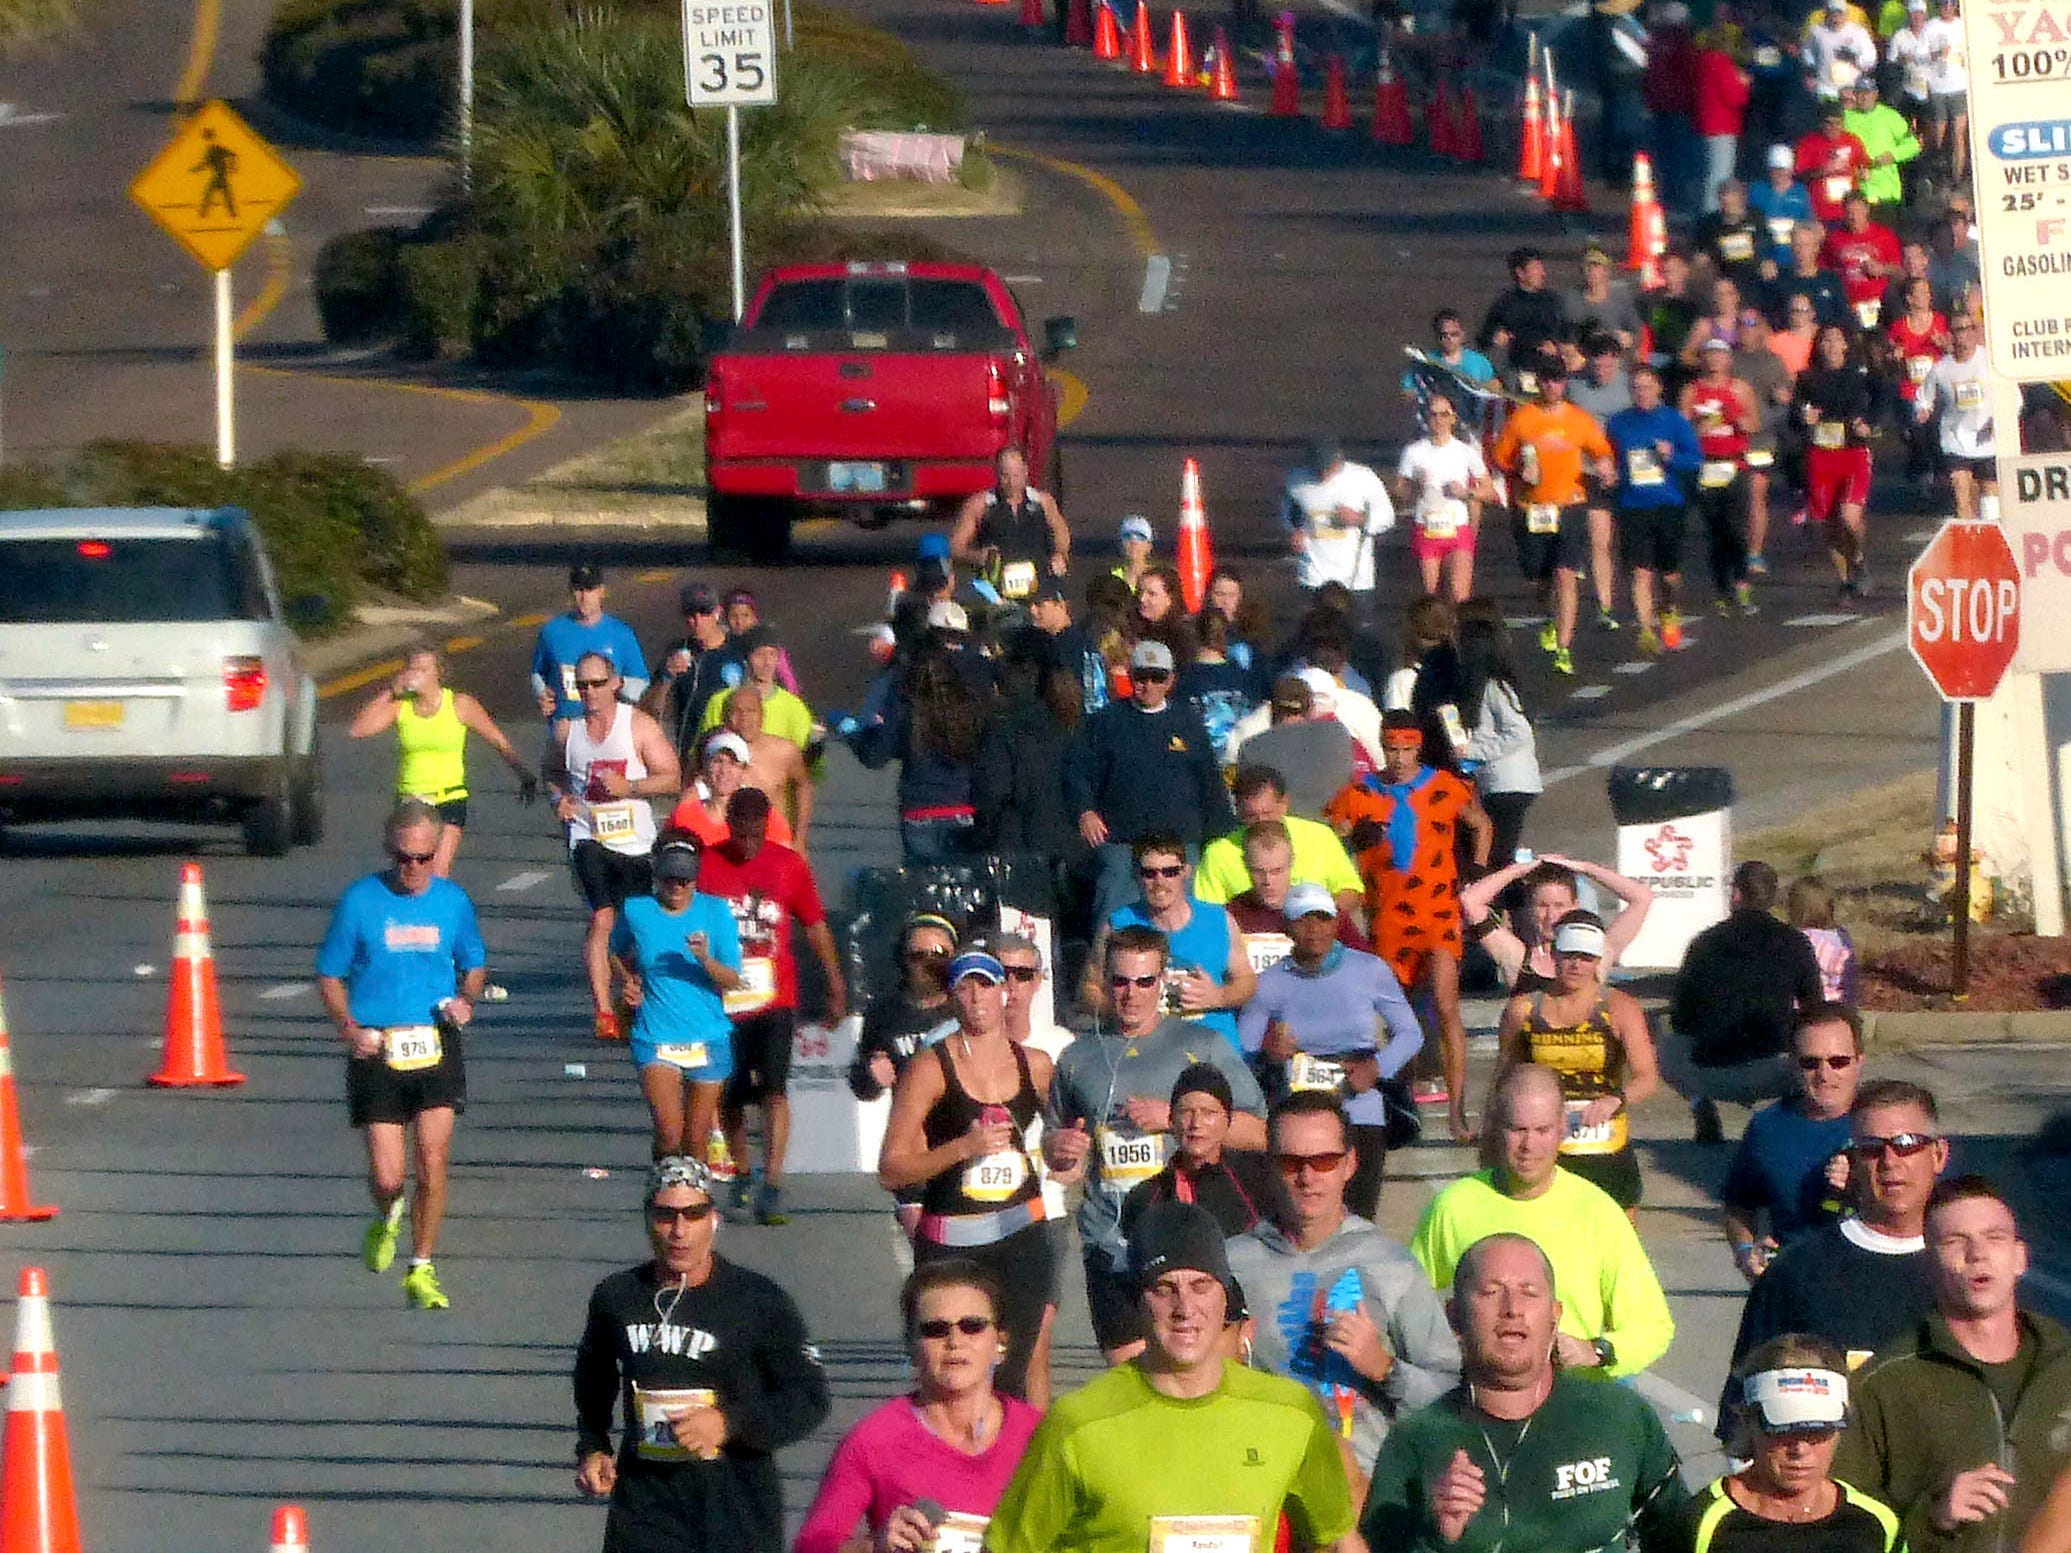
1845, 599
379, 1248
605, 1026
1756, 566
741, 1208
1549, 638
1606, 621
421, 1288
1744, 598
1861, 581
1705, 1124
1672, 630
1722, 605
1649, 643
769, 1206
1430, 1091
1563, 661
719, 1158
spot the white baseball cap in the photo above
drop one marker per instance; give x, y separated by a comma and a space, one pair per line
948, 615
1782, 156
1307, 900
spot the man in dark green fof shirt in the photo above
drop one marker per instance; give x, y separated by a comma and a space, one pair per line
1520, 1455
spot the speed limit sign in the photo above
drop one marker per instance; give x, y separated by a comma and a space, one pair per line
729, 53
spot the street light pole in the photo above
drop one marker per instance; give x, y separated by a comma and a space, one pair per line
467, 93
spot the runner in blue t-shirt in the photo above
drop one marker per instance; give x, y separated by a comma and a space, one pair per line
680, 954
399, 970
585, 628
1208, 974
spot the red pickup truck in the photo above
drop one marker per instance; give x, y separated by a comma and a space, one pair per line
870, 389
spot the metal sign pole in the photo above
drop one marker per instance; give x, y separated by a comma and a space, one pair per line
787, 23
226, 430
467, 92
1959, 974
733, 192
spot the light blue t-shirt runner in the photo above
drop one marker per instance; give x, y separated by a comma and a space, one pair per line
1202, 945
564, 639
400, 955
681, 1020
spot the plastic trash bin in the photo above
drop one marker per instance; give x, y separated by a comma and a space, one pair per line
1675, 835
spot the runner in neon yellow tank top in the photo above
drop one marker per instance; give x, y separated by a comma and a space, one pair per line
432, 723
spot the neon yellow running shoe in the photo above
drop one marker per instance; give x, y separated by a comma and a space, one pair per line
421, 1288
379, 1248
1549, 638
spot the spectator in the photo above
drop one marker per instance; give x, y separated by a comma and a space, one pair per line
1134, 541
1720, 111
1546, 889
1318, 856
1960, 1421
1067, 646
1017, 782
1501, 746
1810, 908
1232, 1184
1159, 615
1142, 766
1312, 747
1864, 1281
929, 1465
933, 731
1742, 984
1343, 1308
1669, 89
1315, 1025
1790, 1173
1613, 1315
1221, 691
1242, 614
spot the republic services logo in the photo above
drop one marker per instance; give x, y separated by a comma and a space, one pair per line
1669, 850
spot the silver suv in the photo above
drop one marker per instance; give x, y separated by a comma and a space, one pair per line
147, 671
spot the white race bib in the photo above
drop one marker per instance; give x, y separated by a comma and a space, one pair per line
957, 1532
1760, 458
411, 1048
1829, 434
1580, 1137
1204, 1534
1837, 186
1717, 473
1736, 247
995, 1177
1970, 396
1642, 468
1867, 312
1442, 520
1528, 382
1306, 1072
758, 988
1541, 517
1266, 949
1917, 367
683, 1054
613, 821
1018, 579
568, 692
1780, 228
1129, 1157
651, 1409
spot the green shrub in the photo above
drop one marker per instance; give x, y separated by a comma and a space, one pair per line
438, 292
28, 24
334, 525
359, 284
375, 67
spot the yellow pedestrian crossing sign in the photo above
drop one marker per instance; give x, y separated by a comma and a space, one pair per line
215, 186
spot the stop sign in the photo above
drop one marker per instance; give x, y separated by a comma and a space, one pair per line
1963, 609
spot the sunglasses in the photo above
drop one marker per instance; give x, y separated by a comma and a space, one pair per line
1151, 676
592, 684
939, 1327
1142, 983
1814, 1064
1024, 972
695, 1213
1904, 1144
1162, 871
412, 857
1292, 1165
927, 954
1440, 415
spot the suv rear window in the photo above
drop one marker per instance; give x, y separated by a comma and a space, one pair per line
126, 581
879, 303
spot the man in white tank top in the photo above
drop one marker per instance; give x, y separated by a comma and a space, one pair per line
601, 769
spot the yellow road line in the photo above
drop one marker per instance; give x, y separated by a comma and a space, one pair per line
1072, 394
462, 643
359, 679
1133, 218
527, 622
201, 53
659, 574
280, 272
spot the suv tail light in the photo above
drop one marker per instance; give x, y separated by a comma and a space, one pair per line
244, 683
996, 391
715, 400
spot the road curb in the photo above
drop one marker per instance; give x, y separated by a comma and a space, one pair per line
390, 629
1892, 1032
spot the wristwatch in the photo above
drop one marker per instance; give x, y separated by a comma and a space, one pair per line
1606, 1355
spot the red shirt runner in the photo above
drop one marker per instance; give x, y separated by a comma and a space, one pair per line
767, 894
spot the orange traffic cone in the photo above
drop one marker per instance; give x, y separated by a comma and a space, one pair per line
1107, 33
15, 1203
1570, 194
1531, 150
1033, 16
1222, 81
1337, 108
1179, 54
1438, 119
193, 1018
39, 1513
1287, 78
1195, 552
290, 1530
1549, 171
1640, 230
1078, 24
1143, 57
1467, 142
1391, 125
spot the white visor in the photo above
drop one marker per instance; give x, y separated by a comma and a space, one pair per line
1579, 938
1797, 1401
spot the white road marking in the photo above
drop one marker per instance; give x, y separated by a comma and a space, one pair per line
1157, 278
1022, 280
1920, 536
280, 991
1634, 666
415, 211
1613, 754
531, 878
1590, 692
90, 1096
12, 117
1680, 1406
1819, 622
1523, 622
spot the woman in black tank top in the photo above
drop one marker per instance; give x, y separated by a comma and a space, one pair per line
962, 1129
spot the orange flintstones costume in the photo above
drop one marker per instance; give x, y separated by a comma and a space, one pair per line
1403, 835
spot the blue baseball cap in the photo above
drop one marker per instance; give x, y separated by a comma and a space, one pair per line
1137, 526
933, 547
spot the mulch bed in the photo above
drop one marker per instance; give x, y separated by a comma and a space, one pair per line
2009, 973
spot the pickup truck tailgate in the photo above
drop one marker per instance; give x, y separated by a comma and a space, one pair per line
860, 404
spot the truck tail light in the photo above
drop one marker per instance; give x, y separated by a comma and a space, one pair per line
996, 391
715, 401
244, 683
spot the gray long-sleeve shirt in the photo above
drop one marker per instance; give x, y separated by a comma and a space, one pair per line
1291, 1293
